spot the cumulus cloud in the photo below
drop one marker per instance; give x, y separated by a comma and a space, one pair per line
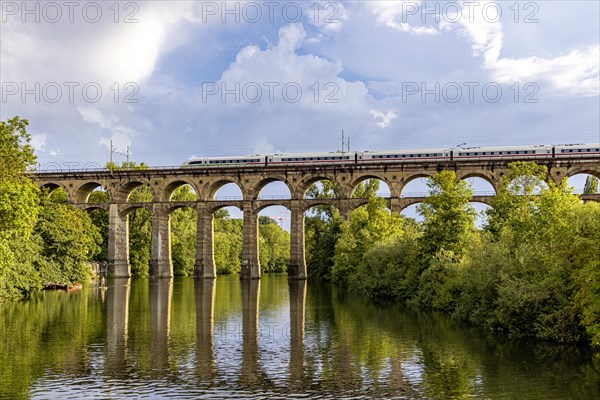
576, 73
304, 80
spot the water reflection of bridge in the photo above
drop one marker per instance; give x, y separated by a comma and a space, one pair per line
143, 345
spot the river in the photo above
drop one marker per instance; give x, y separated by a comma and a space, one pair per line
226, 338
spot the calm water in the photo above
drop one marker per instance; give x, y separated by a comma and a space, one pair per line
264, 339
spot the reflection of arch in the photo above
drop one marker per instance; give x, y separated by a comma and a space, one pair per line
213, 188
173, 184
266, 181
85, 190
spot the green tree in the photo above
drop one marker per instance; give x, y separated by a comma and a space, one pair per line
449, 218
68, 240
368, 225
183, 233
274, 247
227, 243
591, 185
99, 218
19, 198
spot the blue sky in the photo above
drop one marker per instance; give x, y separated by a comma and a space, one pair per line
361, 66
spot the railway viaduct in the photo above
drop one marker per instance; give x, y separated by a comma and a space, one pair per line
78, 186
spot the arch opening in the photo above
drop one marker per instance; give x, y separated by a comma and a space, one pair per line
583, 183
322, 227
274, 238
85, 192
274, 190
183, 229
526, 185
226, 191
412, 212
139, 235
136, 192
180, 191
416, 186
55, 192
480, 186
321, 188
368, 186
228, 226
481, 208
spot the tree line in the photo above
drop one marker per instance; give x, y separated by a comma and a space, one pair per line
532, 270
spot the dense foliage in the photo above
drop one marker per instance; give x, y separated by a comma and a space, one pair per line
42, 240
533, 270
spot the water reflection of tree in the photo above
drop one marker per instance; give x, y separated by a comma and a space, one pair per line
39, 334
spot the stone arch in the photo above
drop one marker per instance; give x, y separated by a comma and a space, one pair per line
90, 208
263, 183
408, 209
577, 181
171, 185
366, 177
125, 190
410, 179
125, 209
487, 176
213, 187
52, 186
321, 202
583, 170
306, 183
84, 191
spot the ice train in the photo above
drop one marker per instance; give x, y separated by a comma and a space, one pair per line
440, 154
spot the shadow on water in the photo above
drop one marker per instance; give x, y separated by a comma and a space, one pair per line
272, 338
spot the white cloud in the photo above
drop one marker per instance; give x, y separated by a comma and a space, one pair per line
384, 117
577, 72
393, 14
280, 66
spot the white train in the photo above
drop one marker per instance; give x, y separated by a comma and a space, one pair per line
473, 153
